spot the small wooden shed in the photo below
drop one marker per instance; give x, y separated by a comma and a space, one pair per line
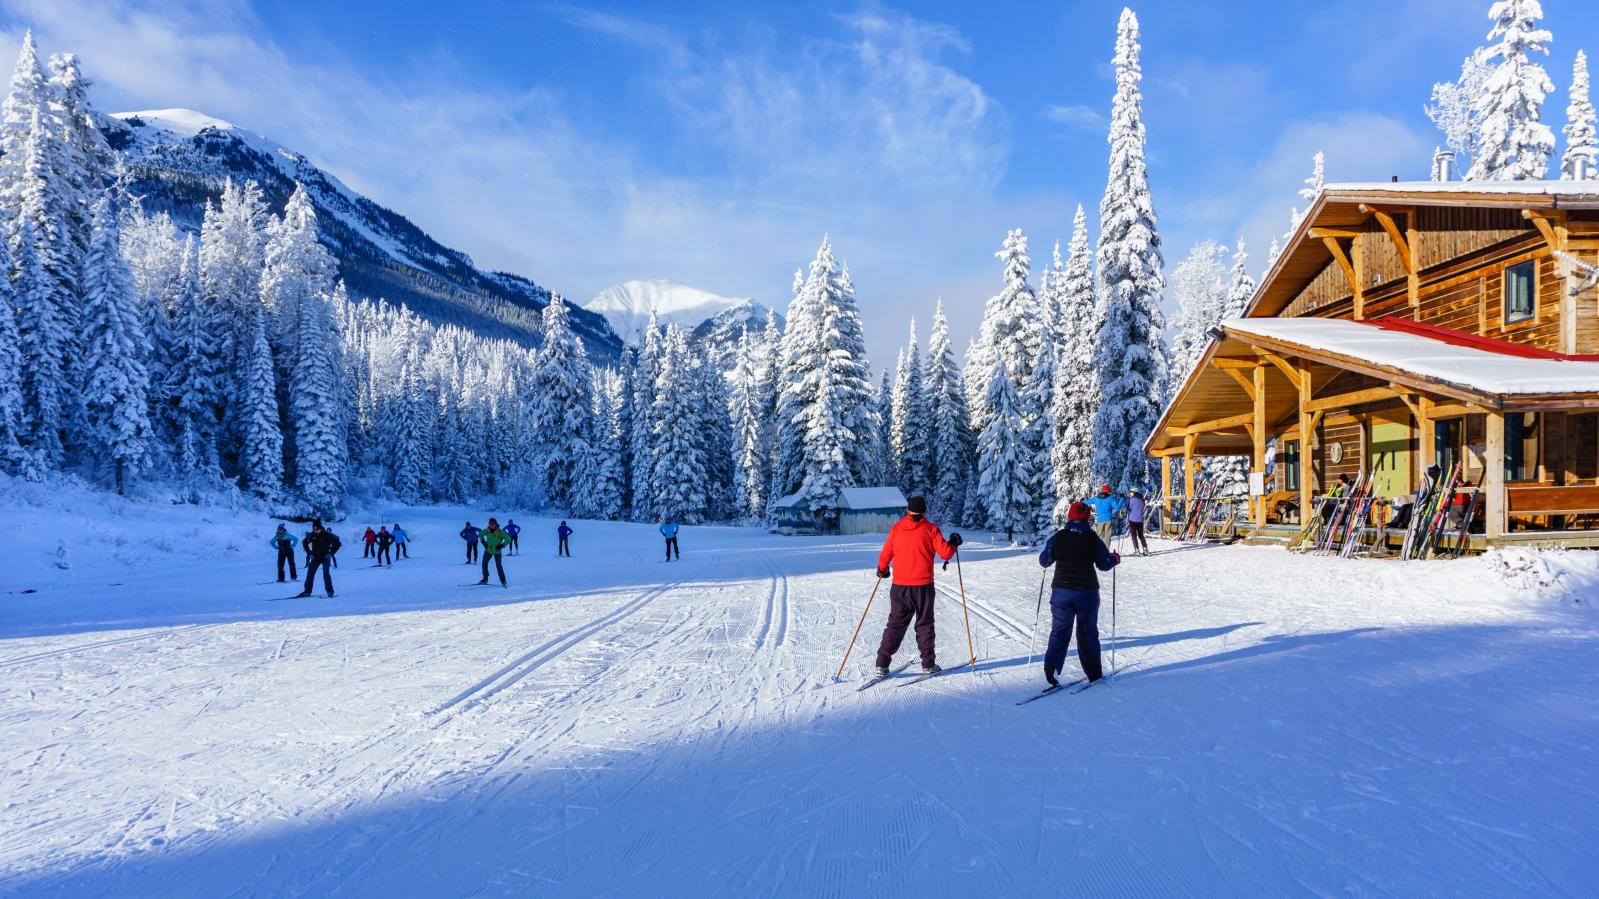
856, 510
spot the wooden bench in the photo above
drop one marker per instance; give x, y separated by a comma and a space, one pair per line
1577, 500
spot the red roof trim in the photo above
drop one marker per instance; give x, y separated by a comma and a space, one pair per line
1474, 341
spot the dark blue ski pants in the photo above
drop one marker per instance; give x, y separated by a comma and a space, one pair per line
1069, 609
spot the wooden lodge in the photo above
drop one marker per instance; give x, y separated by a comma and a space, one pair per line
1408, 325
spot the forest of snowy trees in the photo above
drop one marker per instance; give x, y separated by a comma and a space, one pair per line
230, 361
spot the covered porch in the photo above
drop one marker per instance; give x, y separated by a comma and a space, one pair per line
1389, 399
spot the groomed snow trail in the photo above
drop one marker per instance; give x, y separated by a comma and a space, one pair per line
615, 725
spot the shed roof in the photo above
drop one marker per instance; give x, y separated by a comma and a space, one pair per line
871, 498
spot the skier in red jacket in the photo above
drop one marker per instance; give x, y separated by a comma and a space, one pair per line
909, 549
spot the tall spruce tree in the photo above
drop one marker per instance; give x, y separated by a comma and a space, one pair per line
13, 460
115, 393
1513, 143
1129, 356
950, 447
911, 443
559, 402
1582, 144
646, 372
1076, 398
680, 478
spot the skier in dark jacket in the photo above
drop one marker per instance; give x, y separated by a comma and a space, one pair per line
320, 544
512, 529
284, 542
1075, 552
470, 535
908, 551
370, 539
385, 541
494, 542
1137, 511
564, 533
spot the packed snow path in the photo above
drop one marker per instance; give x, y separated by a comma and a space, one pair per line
614, 725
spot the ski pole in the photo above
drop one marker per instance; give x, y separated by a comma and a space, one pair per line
858, 629
959, 577
1032, 641
1113, 619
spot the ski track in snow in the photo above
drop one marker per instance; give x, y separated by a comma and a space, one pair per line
1282, 725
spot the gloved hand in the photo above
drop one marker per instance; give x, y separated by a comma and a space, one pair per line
882, 573
955, 540
1116, 557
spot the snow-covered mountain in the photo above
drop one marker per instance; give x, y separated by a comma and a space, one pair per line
627, 306
180, 159
719, 334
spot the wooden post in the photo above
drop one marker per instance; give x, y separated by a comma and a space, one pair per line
1188, 469
1259, 466
1428, 443
1495, 520
1307, 429
1165, 488
1357, 249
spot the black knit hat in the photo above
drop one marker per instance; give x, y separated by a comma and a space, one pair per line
917, 506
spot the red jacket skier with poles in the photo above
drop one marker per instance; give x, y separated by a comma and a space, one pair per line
909, 550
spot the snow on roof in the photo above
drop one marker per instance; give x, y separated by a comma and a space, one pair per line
871, 498
1541, 188
854, 498
1475, 369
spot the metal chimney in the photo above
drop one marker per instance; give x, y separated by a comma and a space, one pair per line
1443, 165
1582, 170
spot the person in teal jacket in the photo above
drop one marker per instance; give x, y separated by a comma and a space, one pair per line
284, 542
1106, 506
669, 531
400, 540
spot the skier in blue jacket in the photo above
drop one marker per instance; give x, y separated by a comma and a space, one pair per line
470, 535
1075, 551
512, 529
669, 531
563, 548
284, 542
400, 540
1106, 506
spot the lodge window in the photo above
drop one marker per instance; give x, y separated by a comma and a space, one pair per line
1288, 464
1446, 443
1521, 446
1519, 297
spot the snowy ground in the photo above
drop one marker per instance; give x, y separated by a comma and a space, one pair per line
614, 725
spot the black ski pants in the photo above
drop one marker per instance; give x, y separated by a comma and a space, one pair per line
322, 562
906, 603
671, 549
286, 554
1069, 608
565, 549
400, 552
1135, 530
367, 553
499, 566
471, 550
384, 555
515, 547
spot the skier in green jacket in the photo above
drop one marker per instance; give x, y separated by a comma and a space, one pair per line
494, 543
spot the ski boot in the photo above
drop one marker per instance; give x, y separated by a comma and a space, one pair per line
880, 671
483, 583
1050, 676
931, 669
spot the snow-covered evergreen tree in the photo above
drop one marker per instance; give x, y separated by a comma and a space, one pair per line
1581, 141
558, 406
1129, 357
1038, 441
115, 399
1076, 398
189, 389
826, 409
1454, 108
260, 429
950, 446
715, 430
910, 435
750, 480
1308, 193
1231, 473
233, 240
42, 298
680, 477
24, 126
1199, 286
1513, 142
604, 486
646, 372
412, 413
1004, 473
13, 460
883, 442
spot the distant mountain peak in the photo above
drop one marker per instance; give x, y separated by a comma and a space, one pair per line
628, 305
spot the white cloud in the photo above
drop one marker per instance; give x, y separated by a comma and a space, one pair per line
1077, 118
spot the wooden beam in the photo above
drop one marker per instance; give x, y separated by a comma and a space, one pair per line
1386, 219
1229, 362
1332, 233
1337, 251
1216, 424
1246, 383
1355, 398
1540, 220
1289, 372
1307, 430
1451, 410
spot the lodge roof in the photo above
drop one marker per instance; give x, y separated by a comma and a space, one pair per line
1339, 206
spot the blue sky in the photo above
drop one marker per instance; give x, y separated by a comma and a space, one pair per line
714, 143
